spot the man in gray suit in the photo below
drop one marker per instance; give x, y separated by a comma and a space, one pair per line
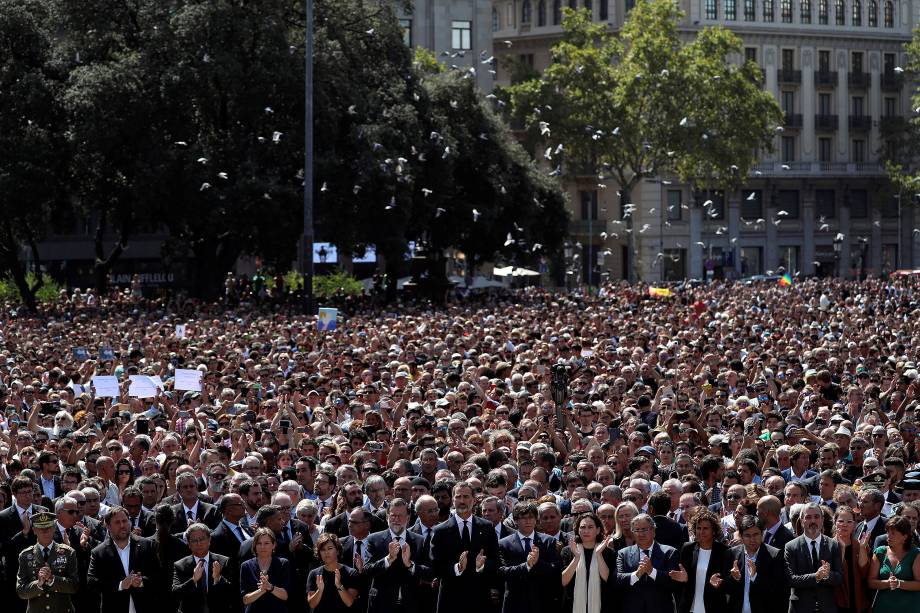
813, 564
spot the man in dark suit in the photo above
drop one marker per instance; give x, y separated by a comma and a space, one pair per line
871, 502
48, 478
643, 571
123, 567
200, 581
667, 531
529, 566
69, 532
813, 564
755, 578
801, 460
142, 522
354, 498
464, 554
191, 509
396, 564
15, 535
229, 535
775, 533
428, 514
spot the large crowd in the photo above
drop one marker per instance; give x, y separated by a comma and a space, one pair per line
730, 447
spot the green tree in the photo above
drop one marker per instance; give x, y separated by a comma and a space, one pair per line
901, 135
642, 103
30, 125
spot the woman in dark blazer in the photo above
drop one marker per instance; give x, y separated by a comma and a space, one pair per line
265, 580
707, 547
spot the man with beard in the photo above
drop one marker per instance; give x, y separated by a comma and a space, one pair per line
354, 498
464, 555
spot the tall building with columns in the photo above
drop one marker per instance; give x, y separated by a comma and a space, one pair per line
819, 204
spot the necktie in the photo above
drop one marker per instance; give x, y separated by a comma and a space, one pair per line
526, 545
815, 562
767, 537
357, 552
465, 536
44, 554
188, 514
238, 532
427, 541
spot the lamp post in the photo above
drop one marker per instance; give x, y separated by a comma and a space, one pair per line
838, 245
306, 268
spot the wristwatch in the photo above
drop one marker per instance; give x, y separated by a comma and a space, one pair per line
271, 588
341, 588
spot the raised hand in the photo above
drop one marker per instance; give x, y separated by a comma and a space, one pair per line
480, 559
215, 571
319, 581
198, 573
645, 566
716, 581
461, 563
823, 572
406, 555
679, 575
533, 557
338, 579
751, 568
44, 575
573, 546
736, 572
393, 551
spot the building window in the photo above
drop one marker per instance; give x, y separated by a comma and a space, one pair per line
822, 12
730, 10
889, 14
752, 205
840, 12
750, 54
525, 11
675, 264
857, 106
824, 61
406, 26
750, 10
496, 22
788, 101
857, 13
541, 13
825, 203
859, 204
789, 258
857, 60
891, 107
590, 6
604, 10
858, 153
873, 14
461, 34
675, 199
628, 5
824, 104
805, 11
588, 205
786, 10
768, 10
712, 9
557, 12
788, 60
888, 63
824, 149
751, 261
788, 148
573, 4
789, 202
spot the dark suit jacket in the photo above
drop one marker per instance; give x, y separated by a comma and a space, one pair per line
13, 541
58, 489
529, 590
788, 476
877, 530
146, 522
279, 573
769, 591
807, 593
225, 543
713, 599
468, 591
338, 525
782, 536
192, 597
106, 572
396, 583
206, 514
647, 595
669, 532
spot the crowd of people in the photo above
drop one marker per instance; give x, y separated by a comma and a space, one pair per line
730, 447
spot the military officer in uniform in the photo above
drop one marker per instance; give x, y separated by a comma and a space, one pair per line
48, 572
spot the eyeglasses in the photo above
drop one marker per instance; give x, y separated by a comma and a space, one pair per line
71, 511
124, 472
733, 497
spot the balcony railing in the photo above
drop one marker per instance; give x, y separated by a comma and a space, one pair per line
858, 79
789, 76
811, 169
792, 120
825, 77
860, 122
825, 122
891, 81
